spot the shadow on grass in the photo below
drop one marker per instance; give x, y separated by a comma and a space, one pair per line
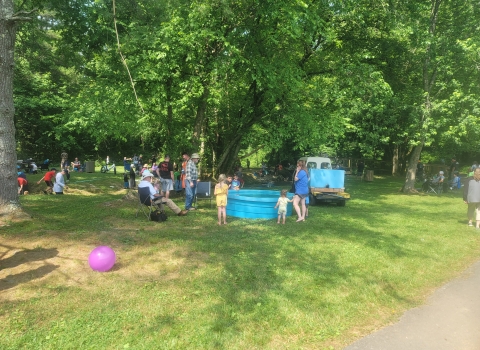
25, 257
23, 277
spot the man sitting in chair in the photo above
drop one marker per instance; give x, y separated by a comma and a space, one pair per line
156, 198
439, 179
77, 166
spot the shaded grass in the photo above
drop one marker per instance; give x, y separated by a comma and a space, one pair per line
189, 284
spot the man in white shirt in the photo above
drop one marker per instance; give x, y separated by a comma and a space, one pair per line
156, 198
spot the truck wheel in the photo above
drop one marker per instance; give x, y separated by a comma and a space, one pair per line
341, 203
313, 199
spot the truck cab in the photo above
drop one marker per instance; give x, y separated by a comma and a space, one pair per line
325, 184
317, 162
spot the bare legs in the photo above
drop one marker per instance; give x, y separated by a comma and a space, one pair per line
296, 201
473, 213
222, 211
280, 216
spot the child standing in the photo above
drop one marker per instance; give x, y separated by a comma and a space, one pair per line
221, 191
235, 183
282, 206
125, 180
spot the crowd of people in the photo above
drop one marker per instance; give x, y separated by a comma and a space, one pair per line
165, 177
471, 192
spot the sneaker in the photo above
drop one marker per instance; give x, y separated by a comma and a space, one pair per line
470, 224
183, 213
192, 208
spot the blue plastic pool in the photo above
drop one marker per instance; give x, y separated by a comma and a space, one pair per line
255, 204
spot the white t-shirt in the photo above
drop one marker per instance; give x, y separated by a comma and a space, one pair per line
59, 183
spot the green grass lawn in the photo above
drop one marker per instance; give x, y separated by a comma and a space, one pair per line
190, 284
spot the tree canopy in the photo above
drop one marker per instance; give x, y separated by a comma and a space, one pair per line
374, 79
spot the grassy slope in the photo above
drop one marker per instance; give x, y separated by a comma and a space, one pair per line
189, 284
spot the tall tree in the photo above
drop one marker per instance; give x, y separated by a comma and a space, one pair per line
8, 158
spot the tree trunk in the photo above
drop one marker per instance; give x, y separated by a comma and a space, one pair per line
429, 76
169, 123
395, 161
412, 169
8, 158
229, 155
199, 119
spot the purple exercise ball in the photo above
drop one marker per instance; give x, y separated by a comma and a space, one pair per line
102, 258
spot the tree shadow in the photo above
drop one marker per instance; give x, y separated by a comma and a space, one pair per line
24, 257
14, 280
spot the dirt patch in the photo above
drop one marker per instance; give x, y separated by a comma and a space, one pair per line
41, 266
13, 216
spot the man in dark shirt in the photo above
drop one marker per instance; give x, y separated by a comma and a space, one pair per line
165, 173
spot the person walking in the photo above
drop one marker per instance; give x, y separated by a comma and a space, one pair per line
191, 178
471, 197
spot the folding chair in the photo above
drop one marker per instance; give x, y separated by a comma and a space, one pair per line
204, 191
144, 202
433, 187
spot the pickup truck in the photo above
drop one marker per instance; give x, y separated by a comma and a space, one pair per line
325, 184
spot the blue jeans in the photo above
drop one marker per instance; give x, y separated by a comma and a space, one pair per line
189, 193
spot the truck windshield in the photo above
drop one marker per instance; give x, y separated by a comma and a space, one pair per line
325, 166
